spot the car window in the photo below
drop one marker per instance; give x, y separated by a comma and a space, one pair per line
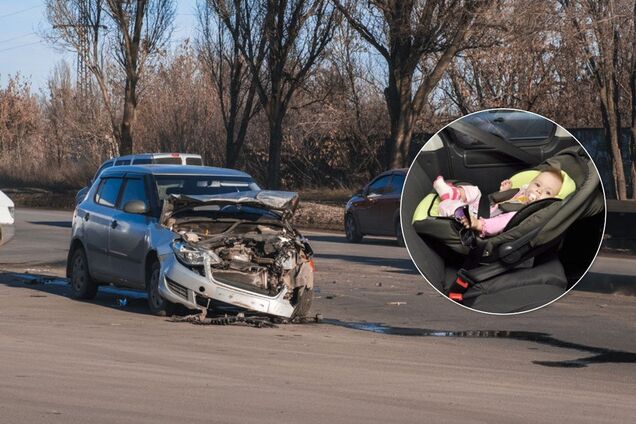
133, 190
201, 185
101, 168
515, 126
168, 161
107, 192
142, 161
194, 161
397, 182
379, 185
121, 162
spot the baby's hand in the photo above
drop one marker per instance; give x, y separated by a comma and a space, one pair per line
505, 185
475, 224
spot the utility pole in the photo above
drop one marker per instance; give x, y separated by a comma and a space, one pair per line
84, 29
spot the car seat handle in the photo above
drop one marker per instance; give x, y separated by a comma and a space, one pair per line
513, 251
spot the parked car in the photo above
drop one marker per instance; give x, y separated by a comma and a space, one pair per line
375, 210
142, 159
194, 236
6, 218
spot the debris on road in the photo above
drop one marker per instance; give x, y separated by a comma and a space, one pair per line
396, 303
201, 319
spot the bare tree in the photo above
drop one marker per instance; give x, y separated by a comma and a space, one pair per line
130, 32
597, 27
280, 40
631, 34
418, 39
231, 76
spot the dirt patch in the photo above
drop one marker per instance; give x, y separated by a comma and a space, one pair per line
41, 198
319, 216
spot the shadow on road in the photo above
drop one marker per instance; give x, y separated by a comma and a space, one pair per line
400, 265
61, 224
107, 296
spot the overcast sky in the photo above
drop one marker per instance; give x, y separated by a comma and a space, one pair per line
23, 51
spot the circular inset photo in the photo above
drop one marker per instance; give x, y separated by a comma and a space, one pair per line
503, 211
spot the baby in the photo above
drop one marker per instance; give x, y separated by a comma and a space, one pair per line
545, 185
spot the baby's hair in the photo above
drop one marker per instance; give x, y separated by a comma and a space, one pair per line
554, 172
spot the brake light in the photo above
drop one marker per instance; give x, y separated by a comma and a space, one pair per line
174, 155
312, 265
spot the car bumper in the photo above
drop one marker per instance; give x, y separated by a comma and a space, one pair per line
7, 232
179, 284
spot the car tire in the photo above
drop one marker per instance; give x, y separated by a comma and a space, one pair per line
82, 285
399, 237
302, 300
156, 303
352, 232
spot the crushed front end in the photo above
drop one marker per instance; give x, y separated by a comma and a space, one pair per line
256, 262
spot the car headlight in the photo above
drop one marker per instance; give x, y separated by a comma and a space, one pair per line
192, 256
12, 212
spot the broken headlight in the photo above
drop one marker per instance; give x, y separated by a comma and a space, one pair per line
192, 256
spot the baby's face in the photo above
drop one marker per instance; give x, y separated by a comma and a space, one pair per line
544, 186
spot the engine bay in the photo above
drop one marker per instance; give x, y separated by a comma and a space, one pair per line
253, 255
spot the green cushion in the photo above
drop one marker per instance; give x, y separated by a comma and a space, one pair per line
524, 177
421, 212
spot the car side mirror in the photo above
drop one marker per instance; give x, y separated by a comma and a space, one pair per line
364, 192
137, 207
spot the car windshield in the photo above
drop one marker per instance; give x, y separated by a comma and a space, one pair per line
202, 185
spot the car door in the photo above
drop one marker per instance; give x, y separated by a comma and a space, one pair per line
388, 204
96, 215
369, 208
128, 241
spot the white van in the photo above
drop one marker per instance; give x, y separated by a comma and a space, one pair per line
6, 218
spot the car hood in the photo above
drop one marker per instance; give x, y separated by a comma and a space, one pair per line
283, 202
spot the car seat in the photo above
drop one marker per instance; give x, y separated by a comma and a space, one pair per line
520, 268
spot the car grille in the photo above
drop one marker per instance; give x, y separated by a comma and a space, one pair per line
177, 288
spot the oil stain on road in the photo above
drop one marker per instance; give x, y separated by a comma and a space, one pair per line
599, 355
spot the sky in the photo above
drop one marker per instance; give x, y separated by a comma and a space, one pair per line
23, 51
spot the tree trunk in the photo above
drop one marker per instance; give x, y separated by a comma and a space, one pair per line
632, 85
612, 135
128, 119
399, 103
275, 143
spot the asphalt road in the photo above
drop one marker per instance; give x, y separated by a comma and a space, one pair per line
103, 361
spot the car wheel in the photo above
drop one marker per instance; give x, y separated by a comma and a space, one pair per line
352, 232
156, 303
399, 237
82, 285
302, 300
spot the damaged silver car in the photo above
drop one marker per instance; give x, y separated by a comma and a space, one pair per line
201, 237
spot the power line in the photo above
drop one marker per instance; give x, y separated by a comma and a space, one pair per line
20, 11
17, 37
21, 45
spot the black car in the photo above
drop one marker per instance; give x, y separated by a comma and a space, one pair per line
375, 210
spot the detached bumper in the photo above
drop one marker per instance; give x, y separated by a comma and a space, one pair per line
179, 284
7, 232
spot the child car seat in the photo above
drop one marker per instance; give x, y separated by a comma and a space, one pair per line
522, 262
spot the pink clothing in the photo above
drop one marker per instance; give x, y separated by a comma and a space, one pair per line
473, 194
498, 219
495, 225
